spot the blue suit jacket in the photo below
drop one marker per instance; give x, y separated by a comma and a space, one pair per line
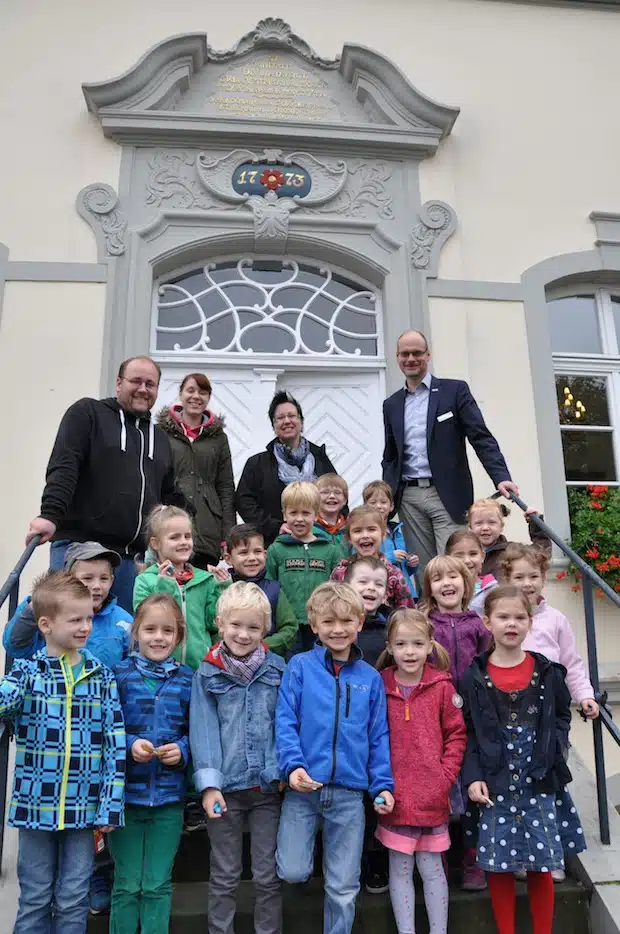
446, 437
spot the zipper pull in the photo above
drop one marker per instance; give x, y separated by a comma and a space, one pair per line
407, 717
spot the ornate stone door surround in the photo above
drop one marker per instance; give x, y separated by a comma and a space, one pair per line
188, 116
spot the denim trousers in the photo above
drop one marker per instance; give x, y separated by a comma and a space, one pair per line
340, 814
53, 869
262, 812
124, 576
143, 852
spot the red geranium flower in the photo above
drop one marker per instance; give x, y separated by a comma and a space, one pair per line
595, 504
575, 588
593, 553
560, 575
602, 566
272, 179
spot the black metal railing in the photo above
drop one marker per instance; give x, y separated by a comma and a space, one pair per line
589, 580
10, 592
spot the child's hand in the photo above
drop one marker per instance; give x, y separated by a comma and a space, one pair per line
284, 529
400, 554
106, 829
413, 561
170, 754
531, 511
479, 792
165, 569
210, 798
299, 780
220, 574
590, 708
386, 808
142, 750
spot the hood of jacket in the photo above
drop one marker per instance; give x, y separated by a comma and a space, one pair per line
212, 425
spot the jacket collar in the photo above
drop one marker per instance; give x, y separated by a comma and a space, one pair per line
541, 666
430, 676
327, 660
212, 664
54, 663
249, 580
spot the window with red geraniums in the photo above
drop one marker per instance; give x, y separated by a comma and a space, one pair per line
595, 532
584, 325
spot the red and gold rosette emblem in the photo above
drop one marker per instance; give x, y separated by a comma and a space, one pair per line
272, 179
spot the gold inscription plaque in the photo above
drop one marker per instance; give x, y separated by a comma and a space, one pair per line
272, 88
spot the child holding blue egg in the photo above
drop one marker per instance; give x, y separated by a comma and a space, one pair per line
232, 735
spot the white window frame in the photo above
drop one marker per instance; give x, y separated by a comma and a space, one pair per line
606, 363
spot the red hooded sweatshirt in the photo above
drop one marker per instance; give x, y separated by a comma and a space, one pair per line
427, 745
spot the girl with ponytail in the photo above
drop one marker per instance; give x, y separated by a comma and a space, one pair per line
427, 745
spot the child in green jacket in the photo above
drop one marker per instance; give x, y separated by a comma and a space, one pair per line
196, 591
300, 559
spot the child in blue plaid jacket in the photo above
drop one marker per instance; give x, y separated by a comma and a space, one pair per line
69, 759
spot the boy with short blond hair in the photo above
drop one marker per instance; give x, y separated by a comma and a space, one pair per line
333, 746
334, 496
299, 559
70, 758
232, 737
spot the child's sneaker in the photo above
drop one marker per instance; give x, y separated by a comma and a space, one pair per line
558, 875
474, 878
194, 817
376, 882
99, 895
521, 875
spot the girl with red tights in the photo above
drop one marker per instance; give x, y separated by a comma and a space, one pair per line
517, 711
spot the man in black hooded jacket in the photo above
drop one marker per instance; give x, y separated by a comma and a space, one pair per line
109, 466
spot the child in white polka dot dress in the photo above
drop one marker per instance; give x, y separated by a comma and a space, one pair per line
517, 711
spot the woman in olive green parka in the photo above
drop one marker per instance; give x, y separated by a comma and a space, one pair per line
202, 465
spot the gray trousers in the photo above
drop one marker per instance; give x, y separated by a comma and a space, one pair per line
226, 838
428, 525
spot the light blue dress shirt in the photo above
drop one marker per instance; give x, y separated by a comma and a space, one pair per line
416, 463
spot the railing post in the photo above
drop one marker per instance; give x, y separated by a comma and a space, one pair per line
597, 726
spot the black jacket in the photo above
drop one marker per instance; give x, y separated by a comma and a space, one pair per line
486, 757
203, 473
106, 471
453, 417
259, 491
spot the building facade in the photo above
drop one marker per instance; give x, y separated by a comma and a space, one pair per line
273, 204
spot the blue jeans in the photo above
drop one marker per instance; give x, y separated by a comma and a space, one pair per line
53, 868
340, 813
124, 576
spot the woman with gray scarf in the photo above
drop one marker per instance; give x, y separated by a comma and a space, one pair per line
288, 457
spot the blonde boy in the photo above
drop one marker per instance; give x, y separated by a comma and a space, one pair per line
333, 745
299, 559
232, 737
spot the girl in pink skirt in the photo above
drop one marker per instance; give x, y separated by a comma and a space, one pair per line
427, 745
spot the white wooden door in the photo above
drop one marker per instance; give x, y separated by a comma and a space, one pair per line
343, 411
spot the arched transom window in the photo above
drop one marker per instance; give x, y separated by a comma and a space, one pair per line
251, 306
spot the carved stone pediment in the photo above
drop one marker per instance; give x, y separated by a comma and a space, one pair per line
270, 85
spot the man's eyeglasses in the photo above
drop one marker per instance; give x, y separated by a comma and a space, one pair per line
136, 382
416, 354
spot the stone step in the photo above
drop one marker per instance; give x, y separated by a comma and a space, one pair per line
303, 906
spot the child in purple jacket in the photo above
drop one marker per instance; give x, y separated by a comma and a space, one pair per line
446, 595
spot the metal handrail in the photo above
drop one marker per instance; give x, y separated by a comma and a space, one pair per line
589, 579
10, 591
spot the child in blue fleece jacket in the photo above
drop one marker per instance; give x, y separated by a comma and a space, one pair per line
333, 746
94, 565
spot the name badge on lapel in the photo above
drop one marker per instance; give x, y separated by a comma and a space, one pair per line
445, 416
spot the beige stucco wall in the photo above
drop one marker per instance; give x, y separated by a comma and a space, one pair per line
532, 153
50, 350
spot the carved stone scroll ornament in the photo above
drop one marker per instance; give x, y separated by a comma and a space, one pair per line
435, 223
275, 34
97, 204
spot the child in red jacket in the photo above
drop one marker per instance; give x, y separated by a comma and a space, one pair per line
427, 745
